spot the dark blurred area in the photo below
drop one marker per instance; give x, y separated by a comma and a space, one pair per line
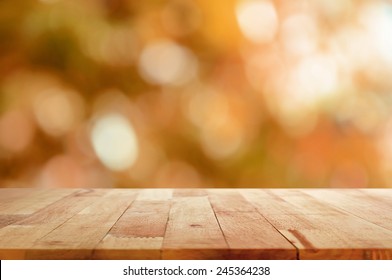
195, 93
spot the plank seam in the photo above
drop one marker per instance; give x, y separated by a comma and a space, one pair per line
164, 235
345, 211
41, 192
47, 206
122, 214
72, 194
295, 247
217, 220
297, 256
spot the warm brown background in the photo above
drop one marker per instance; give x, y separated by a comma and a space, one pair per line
195, 93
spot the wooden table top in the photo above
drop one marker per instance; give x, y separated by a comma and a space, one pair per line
195, 224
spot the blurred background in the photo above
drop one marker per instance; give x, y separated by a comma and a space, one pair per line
195, 93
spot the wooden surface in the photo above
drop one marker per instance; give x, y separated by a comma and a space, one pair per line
196, 224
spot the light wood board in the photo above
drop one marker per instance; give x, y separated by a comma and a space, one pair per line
195, 224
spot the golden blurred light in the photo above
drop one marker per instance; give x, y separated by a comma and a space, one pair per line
353, 48
62, 171
296, 118
377, 19
302, 92
186, 93
167, 63
145, 167
181, 17
57, 110
16, 131
208, 108
349, 175
384, 145
221, 142
49, 1
221, 133
114, 46
334, 10
315, 78
78, 143
299, 34
112, 100
266, 71
66, 171
257, 20
352, 109
177, 174
114, 141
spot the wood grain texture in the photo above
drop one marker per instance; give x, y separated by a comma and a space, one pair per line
376, 210
196, 224
79, 235
247, 232
30, 201
19, 237
138, 234
193, 231
318, 229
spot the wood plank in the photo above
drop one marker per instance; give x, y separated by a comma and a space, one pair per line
370, 208
196, 224
13, 194
335, 237
150, 221
322, 232
189, 192
385, 194
248, 233
379, 196
19, 237
129, 248
143, 224
63, 209
193, 231
6, 220
32, 201
138, 234
286, 202
229, 200
78, 236
155, 194
250, 236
